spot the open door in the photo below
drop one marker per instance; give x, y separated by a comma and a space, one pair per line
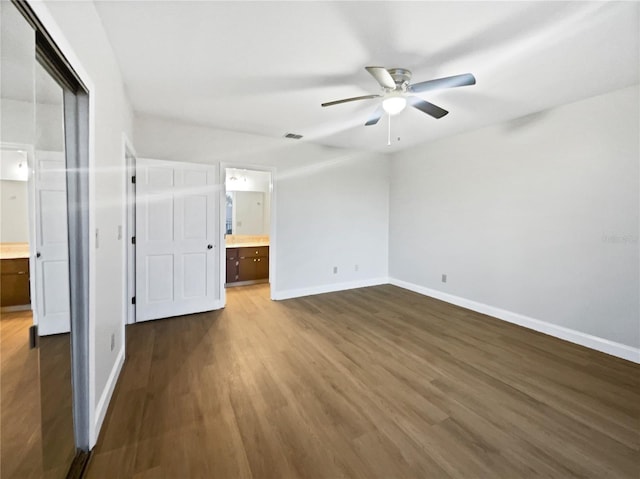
176, 232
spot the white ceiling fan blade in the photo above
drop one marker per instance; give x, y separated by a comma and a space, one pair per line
382, 76
355, 98
448, 82
426, 107
375, 116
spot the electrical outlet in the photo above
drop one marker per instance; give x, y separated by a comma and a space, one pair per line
113, 341
444, 278
355, 268
97, 238
119, 232
335, 270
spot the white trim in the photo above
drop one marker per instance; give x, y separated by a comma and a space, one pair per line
128, 250
222, 250
328, 288
593, 342
105, 399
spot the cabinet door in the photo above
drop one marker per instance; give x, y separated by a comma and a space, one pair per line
232, 270
15, 282
247, 269
262, 267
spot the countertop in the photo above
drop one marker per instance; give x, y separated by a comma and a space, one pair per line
14, 250
246, 245
246, 241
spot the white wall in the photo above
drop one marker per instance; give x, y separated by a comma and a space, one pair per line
333, 214
17, 122
77, 29
247, 180
331, 204
537, 216
14, 222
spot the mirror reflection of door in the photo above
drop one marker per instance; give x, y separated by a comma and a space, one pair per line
36, 411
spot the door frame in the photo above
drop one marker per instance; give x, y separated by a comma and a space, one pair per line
222, 226
128, 232
31, 218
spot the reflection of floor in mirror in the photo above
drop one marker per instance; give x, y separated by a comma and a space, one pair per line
36, 416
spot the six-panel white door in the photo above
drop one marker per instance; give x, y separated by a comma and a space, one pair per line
176, 232
52, 258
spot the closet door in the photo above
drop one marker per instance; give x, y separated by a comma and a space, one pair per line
37, 437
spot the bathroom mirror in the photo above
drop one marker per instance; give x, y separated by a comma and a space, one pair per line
247, 202
246, 213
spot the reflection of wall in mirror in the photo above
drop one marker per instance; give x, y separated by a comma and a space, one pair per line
249, 209
14, 218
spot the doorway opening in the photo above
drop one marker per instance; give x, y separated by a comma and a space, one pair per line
248, 227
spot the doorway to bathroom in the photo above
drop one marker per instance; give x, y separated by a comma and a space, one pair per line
248, 228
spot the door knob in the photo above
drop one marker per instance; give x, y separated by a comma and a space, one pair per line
38, 254
209, 246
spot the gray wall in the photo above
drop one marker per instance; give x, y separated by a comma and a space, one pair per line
537, 216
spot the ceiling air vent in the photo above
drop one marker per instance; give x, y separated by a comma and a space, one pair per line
293, 136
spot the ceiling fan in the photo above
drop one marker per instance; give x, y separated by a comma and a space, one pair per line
397, 92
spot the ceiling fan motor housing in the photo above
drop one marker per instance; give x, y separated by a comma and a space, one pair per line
401, 76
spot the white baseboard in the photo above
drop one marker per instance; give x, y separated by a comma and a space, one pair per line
105, 399
599, 344
327, 288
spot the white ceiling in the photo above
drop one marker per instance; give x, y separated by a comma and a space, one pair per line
265, 67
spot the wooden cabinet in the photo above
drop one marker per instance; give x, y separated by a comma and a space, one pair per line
233, 263
247, 264
14, 290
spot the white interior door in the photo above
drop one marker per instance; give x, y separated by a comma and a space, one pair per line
176, 233
52, 257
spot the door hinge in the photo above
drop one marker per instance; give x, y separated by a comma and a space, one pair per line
33, 336
133, 179
133, 300
133, 240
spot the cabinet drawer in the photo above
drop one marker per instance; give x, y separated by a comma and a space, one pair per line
17, 265
232, 253
254, 252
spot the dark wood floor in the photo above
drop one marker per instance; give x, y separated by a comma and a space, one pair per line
370, 383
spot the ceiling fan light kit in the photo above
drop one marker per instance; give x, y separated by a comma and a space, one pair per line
394, 103
397, 92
